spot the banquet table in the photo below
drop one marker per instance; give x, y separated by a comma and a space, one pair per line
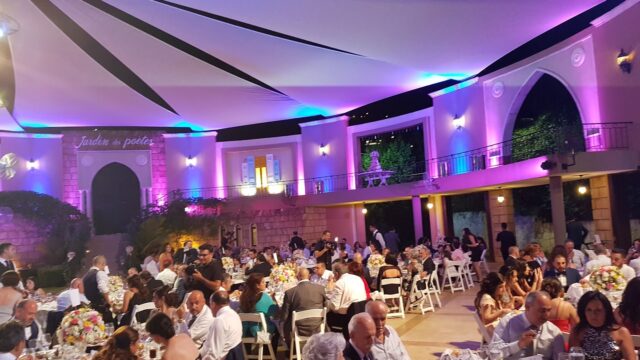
575, 292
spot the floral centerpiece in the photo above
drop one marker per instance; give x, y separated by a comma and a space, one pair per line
607, 278
227, 264
116, 292
283, 275
81, 326
374, 264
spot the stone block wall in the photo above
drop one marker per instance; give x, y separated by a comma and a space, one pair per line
275, 227
601, 207
27, 238
158, 169
70, 191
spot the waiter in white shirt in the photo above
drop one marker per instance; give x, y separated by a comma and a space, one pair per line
224, 339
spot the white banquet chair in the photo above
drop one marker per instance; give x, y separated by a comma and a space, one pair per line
454, 270
397, 295
253, 341
296, 339
140, 308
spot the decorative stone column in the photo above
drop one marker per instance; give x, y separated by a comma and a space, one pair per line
500, 212
416, 206
557, 210
600, 187
437, 218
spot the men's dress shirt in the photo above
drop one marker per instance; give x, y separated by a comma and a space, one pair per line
103, 280
152, 268
27, 332
628, 272
635, 265
595, 264
200, 326
391, 349
64, 299
378, 236
348, 289
7, 356
167, 276
577, 258
548, 340
224, 334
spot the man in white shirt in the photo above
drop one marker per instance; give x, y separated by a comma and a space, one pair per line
64, 299
12, 341
320, 272
224, 338
167, 276
529, 333
617, 259
96, 288
25, 314
575, 257
151, 265
377, 236
600, 260
387, 344
200, 318
635, 265
347, 289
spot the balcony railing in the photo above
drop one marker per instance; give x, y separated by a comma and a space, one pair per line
594, 137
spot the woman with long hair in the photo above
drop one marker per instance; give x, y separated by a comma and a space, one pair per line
597, 332
168, 303
563, 314
136, 295
470, 243
514, 291
254, 299
628, 313
122, 345
528, 279
177, 346
165, 259
489, 300
357, 269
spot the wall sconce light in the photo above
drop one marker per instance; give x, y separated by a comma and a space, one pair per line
582, 189
429, 205
458, 121
324, 149
500, 199
624, 61
191, 161
33, 164
364, 210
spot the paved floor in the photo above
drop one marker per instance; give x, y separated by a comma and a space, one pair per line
452, 326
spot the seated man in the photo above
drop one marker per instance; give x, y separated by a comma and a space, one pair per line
12, 341
25, 314
262, 266
304, 296
347, 289
321, 273
387, 343
362, 330
64, 299
575, 257
224, 336
529, 333
617, 259
566, 276
199, 318
600, 260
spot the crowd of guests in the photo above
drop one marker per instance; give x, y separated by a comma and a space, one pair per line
538, 284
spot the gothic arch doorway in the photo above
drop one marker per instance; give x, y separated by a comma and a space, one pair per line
115, 198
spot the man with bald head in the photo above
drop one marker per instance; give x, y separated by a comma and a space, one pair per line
362, 330
96, 288
387, 343
304, 296
64, 299
25, 314
199, 318
529, 333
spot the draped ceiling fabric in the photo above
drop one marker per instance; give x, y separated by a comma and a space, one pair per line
212, 64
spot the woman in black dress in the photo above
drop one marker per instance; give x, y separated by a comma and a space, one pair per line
136, 295
470, 243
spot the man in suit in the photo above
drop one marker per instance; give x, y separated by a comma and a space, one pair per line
200, 317
7, 253
186, 255
512, 259
564, 274
506, 239
304, 296
362, 330
392, 240
261, 266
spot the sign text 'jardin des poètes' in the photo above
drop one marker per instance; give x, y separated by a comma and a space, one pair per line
113, 140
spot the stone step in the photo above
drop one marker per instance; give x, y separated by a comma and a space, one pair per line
111, 246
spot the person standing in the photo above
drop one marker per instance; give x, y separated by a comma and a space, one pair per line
324, 249
296, 242
377, 238
576, 232
392, 241
96, 288
506, 239
186, 255
207, 276
7, 253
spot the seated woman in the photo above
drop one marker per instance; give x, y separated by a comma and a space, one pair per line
122, 345
327, 346
529, 280
357, 269
31, 289
563, 314
597, 332
515, 295
9, 294
628, 313
136, 295
488, 301
177, 346
254, 299
167, 302
389, 270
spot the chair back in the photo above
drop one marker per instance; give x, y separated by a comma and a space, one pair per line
148, 306
391, 281
354, 308
254, 318
482, 328
309, 314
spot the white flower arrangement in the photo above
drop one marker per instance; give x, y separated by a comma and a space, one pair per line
283, 274
227, 263
607, 278
81, 326
374, 263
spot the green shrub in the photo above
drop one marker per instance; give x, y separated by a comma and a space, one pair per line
51, 276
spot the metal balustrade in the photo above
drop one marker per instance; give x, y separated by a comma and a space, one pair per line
563, 139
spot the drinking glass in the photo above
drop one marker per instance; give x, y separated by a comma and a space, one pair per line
576, 353
108, 330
